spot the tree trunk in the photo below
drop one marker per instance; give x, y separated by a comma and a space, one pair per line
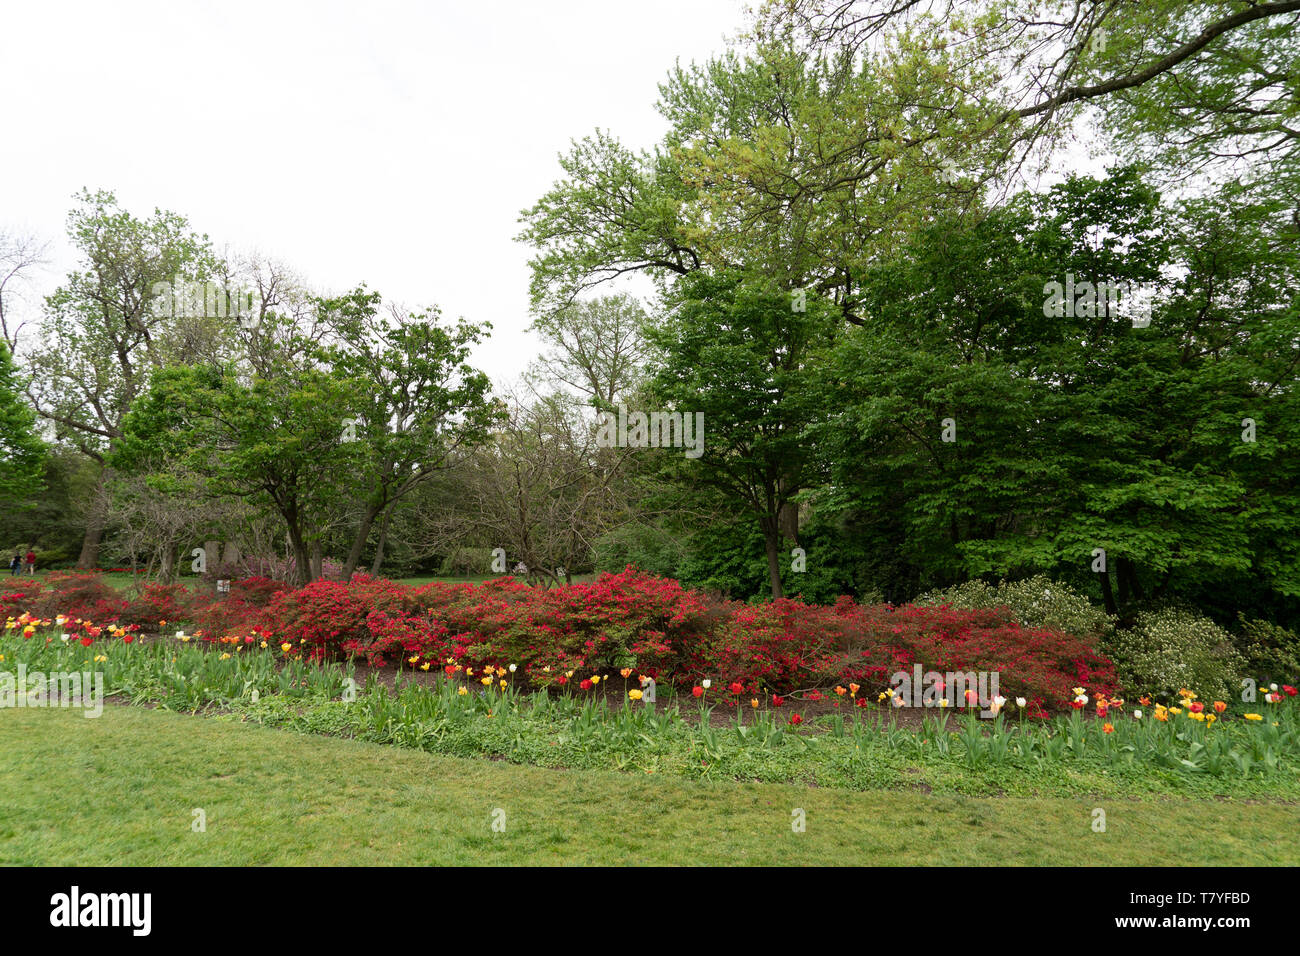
301, 558
772, 541
95, 517
1107, 594
379, 546
359, 541
317, 561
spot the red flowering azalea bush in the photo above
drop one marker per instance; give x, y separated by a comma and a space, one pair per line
1040, 664
80, 594
625, 620
19, 595
330, 617
155, 603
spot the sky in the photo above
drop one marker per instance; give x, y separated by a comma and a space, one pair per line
387, 143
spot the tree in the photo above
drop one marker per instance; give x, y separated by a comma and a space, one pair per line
742, 357
1076, 432
1188, 82
102, 333
596, 347
19, 255
542, 489
422, 401
279, 442
22, 453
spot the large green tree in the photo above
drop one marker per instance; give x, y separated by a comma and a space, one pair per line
21, 450
103, 332
1078, 432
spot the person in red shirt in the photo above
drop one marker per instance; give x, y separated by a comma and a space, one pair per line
31, 562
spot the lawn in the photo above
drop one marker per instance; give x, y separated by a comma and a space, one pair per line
121, 789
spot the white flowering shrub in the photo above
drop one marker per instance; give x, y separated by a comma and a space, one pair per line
1035, 602
1173, 648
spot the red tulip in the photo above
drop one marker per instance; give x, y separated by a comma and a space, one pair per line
737, 687
777, 701
697, 691
796, 719
87, 641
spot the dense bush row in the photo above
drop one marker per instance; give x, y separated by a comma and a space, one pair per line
630, 619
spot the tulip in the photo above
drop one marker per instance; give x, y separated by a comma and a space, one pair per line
1107, 728
706, 683
634, 694
697, 691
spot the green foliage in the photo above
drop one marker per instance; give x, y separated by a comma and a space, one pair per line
1174, 648
22, 453
644, 545
466, 563
1036, 602
1271, 652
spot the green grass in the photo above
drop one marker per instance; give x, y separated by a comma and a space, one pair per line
121, 789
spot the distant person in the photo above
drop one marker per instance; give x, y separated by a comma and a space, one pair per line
31, 562
16, 565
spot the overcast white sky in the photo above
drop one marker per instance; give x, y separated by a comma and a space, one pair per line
385, 142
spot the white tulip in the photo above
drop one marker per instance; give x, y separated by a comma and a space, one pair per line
1020, 702
706, 683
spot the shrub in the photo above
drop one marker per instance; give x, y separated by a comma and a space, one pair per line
19, 594
626, 620
158, 602
1271, 652
1035, 602
81, 594
330, 617
1175, 648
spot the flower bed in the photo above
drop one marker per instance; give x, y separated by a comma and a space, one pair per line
630, 619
